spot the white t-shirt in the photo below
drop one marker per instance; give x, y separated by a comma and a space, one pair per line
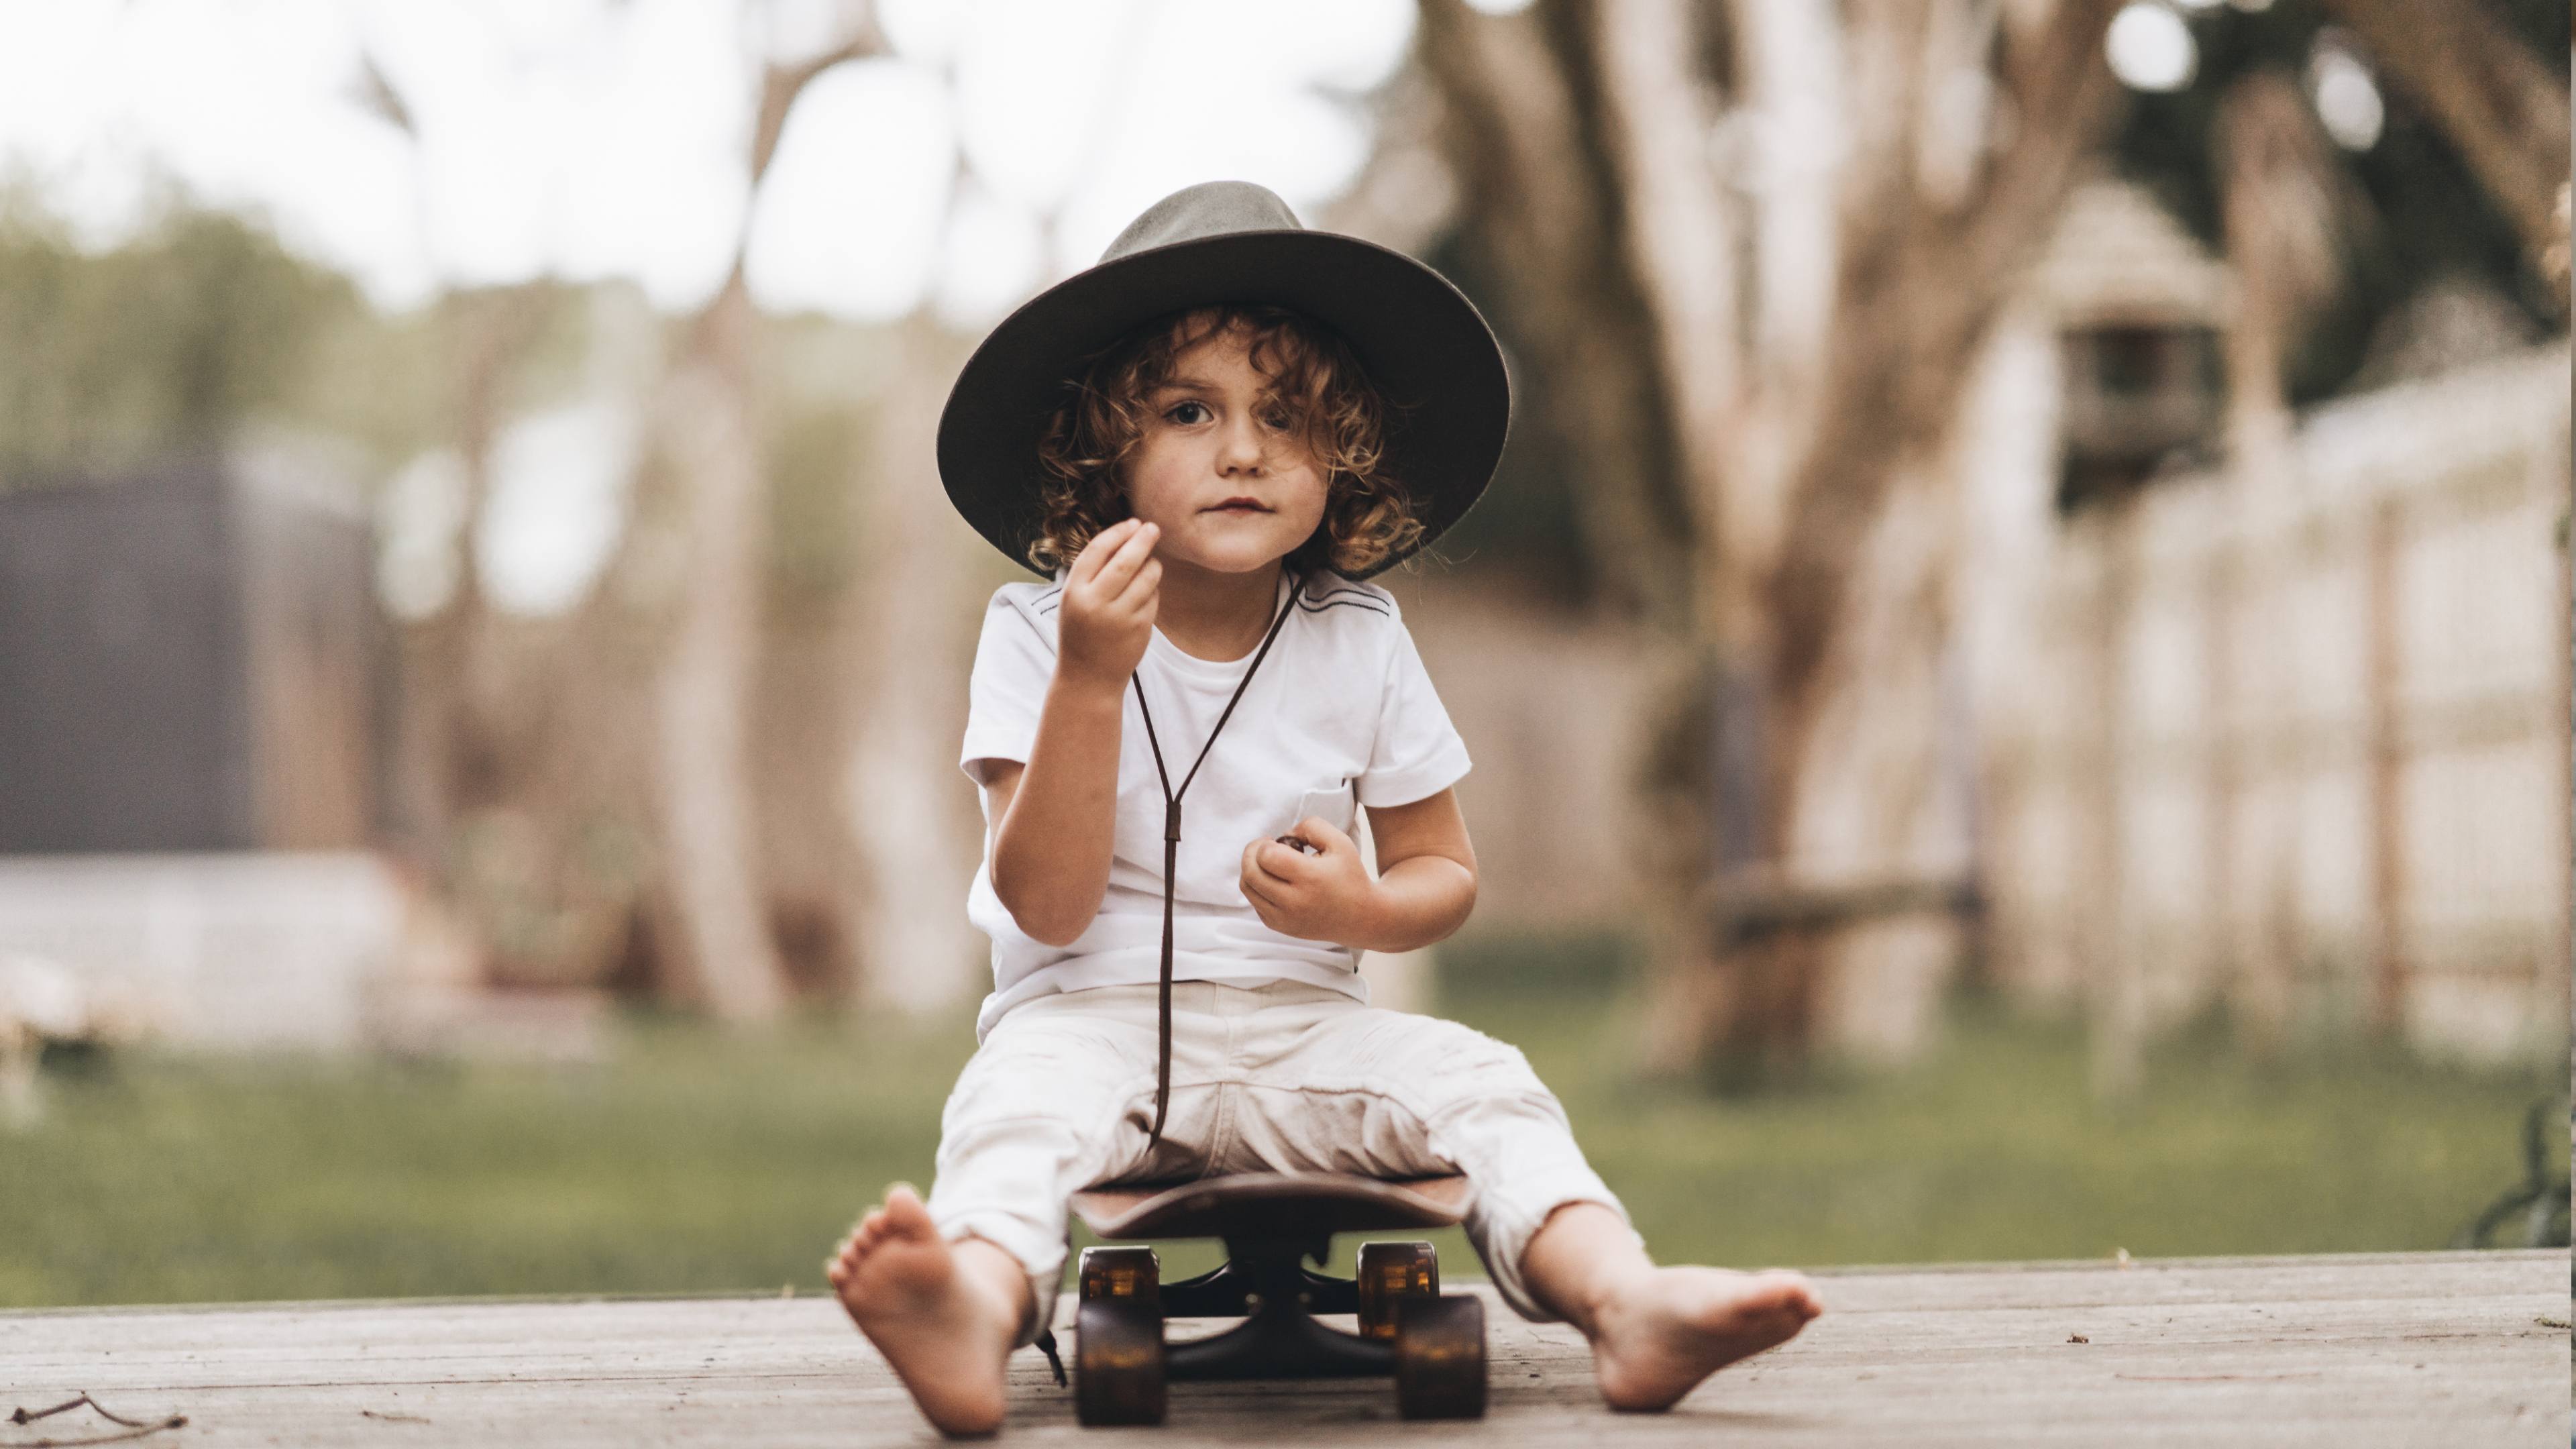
1341, 714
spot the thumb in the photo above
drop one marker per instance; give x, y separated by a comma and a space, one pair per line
1325, 834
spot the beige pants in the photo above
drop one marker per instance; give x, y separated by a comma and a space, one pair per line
1286, 1078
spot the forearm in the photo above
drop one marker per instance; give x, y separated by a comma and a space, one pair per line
1417, 901
1051, 857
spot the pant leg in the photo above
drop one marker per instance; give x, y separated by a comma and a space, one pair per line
1038, 1114
1060, 1097
1341, 1087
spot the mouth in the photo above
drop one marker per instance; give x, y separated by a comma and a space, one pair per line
1238, 505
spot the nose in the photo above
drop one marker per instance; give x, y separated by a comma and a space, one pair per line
1243, 448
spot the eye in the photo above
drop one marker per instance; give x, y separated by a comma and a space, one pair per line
1175, 411
1278, 419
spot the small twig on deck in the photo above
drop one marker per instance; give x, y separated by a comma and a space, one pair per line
134, 1428
173, 1422
29, 1416
392, 1418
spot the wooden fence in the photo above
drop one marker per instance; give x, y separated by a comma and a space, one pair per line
2300, 744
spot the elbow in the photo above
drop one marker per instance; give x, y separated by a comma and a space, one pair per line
1461, 901
1046, 933
1048, 928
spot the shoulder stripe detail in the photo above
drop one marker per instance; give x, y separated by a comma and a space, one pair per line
1354, 591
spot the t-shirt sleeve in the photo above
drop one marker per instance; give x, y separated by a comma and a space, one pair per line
1418, 752
1014, 663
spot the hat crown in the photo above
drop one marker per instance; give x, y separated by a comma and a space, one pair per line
1211, 208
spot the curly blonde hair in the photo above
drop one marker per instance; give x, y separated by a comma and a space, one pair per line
1314, 375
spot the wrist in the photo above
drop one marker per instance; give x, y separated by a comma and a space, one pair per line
1081, 686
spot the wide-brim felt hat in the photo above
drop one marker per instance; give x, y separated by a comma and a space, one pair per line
1422, 343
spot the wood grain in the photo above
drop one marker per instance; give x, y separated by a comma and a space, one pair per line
2433, 1348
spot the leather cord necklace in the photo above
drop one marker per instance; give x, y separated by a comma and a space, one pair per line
1172, 844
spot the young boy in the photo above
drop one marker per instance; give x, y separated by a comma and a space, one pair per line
1212, 438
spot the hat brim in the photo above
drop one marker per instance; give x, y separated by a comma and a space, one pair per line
1425, 347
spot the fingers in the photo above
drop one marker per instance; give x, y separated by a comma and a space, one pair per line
1257, 891
1103, 546
1140, 589
1271, 912
1324, 834
1131, 554
1274, 864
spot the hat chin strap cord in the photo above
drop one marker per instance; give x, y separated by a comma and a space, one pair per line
1172, 846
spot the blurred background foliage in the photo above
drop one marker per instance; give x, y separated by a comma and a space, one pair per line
2427, 219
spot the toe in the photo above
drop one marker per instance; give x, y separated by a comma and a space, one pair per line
905, 1216
1793, 1291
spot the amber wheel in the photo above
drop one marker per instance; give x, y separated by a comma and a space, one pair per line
1118, 1362
1440, 1357
1131, 1273
1389, 1274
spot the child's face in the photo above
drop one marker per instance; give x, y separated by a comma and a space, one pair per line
1222, 469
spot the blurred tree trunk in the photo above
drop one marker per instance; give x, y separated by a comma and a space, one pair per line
2289, 210
711, 435
703, 694
455, 684
900, 790
1793, 224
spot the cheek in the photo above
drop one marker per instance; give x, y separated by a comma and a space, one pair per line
1155, 475
1308, 509
1303, 505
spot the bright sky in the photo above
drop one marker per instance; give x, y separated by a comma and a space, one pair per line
1001, 144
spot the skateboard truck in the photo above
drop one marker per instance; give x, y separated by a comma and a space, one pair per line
1272, 1223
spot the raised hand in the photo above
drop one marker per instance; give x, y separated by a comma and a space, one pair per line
1108, 609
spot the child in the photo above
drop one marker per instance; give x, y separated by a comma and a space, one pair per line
1172, 739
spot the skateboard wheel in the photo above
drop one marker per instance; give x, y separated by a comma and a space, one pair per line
1390, 1273
1118, 1362
1125, 1273
1440, 1357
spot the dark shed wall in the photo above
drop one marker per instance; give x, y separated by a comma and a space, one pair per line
123, 684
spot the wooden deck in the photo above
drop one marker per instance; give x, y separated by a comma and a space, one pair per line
2415, 1349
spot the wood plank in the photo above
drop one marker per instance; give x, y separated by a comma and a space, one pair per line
2363, 1350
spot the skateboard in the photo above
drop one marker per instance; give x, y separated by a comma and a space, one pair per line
1272, 1222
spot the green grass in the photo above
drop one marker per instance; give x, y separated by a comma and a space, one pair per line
693, 1161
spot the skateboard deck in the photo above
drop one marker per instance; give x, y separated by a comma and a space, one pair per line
1271, 1205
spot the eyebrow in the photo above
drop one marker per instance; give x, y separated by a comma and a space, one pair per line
1187, 384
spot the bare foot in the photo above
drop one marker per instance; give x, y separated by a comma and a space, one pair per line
1662, 1331
946, 1329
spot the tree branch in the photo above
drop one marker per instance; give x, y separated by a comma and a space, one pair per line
1919, 292
2501, 105
780, 85
1514, 132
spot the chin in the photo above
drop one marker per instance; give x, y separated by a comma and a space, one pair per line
1240, 556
